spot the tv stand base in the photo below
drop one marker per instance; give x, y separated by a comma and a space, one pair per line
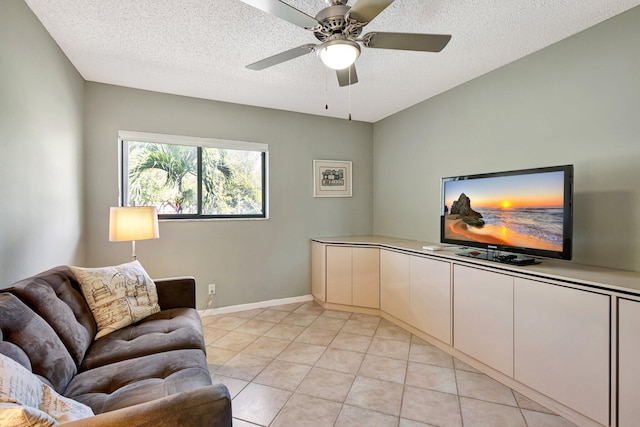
505, 259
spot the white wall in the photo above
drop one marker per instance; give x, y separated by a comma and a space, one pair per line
248, 260
575, 102
41, 101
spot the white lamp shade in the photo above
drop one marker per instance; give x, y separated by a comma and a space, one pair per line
339, 54
133, 223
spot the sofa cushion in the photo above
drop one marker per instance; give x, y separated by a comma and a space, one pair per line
47, 355
55, 296
28, 401
140, 380
117, 295
173, 329
203, 406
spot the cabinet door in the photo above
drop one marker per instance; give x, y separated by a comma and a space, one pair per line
318, 270
339, 273
483, 316
430, 295
366, 277
394, 284
562, 345
628, 367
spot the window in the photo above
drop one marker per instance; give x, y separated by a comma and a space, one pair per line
186, 177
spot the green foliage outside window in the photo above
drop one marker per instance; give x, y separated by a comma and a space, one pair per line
174, 178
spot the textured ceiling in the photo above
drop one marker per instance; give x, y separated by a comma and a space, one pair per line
200, 48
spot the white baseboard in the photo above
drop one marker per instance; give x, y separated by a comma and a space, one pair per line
251, 306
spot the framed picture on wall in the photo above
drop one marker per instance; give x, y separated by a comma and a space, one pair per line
331, 178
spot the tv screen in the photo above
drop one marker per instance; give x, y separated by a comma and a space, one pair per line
525, 211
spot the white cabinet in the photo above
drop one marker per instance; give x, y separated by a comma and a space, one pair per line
417, 291
366, 277
561, 338
413, 289
628, 364
352, 276
558, 330
318, 270
483, 316
339, 275
430, 297
394, 284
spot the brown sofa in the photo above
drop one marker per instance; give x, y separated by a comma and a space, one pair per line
151, 373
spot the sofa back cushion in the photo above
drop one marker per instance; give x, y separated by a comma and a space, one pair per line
48, 357
55, 296
13, 351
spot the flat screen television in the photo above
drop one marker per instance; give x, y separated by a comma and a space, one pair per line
524, 211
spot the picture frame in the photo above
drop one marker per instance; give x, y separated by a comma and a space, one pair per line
332, 178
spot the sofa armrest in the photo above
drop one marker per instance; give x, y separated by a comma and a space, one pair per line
205, 406
176, 292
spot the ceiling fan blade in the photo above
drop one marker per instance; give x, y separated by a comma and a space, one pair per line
281, 57
343, 76
406, 41
365, 10
284, 11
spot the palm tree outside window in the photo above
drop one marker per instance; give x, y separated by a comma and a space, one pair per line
198, 178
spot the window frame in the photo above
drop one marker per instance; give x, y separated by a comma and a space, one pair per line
124, 137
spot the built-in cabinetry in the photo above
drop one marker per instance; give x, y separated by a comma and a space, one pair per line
483, 316
353, 276
346, 275
561, 344
628, 362
417, 291
552, 338
318, 271
430, 296
395, 296
569, 335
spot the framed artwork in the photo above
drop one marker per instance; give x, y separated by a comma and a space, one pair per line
331, 178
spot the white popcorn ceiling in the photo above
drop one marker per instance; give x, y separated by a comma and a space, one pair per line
200, 48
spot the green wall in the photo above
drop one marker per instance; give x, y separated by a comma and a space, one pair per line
248, 260
41, 108
576, 102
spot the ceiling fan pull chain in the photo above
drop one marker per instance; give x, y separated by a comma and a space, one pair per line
349, 88
326, 89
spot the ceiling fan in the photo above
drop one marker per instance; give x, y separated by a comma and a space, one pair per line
338, 28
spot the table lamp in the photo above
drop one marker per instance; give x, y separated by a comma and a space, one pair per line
131, 223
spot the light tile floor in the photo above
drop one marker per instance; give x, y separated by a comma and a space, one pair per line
300, 365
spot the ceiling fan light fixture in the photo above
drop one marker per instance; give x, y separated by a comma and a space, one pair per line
338, 54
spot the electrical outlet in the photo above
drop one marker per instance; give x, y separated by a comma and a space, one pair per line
212, 289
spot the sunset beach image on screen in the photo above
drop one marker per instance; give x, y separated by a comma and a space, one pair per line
518, 211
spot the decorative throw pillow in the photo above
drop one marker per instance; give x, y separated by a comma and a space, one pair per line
25, 400
18, 384
117, 296
14, 415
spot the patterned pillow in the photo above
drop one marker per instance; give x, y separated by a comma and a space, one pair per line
118, 296
14, 415
25, 400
